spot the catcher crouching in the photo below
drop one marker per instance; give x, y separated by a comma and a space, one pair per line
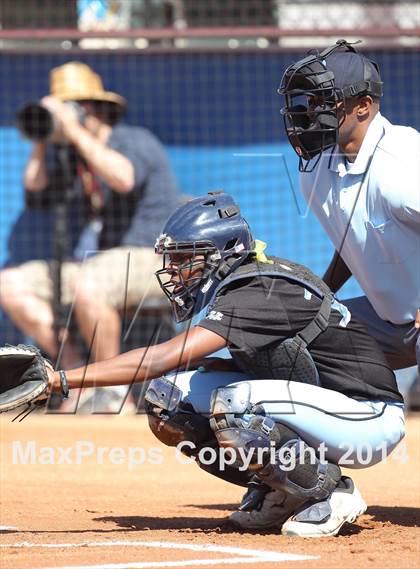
306, 389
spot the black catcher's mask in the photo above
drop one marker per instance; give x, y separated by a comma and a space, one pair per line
315, 91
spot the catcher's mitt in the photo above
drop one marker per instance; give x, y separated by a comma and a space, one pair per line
23, 377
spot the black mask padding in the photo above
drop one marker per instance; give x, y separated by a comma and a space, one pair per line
309, 143
326, 120
312, 142
312, 137
300, 120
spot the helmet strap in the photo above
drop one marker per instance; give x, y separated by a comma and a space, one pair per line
227, 266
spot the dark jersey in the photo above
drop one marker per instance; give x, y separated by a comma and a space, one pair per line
260, 311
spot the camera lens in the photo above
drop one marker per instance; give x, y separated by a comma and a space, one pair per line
35, 122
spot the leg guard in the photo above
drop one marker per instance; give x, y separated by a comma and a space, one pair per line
297, 470
280, 458
171, 420
228, 473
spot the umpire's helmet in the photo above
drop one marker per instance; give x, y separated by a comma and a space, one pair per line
314, 86
211, 227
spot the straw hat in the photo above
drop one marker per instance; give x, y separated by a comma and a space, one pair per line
76, 81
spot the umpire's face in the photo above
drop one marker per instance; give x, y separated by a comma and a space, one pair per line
358, 113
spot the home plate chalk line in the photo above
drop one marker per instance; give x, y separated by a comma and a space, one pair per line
7, 528
246, 555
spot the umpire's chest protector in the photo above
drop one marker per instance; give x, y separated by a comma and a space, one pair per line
288, 359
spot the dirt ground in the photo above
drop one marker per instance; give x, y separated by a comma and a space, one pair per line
97, 508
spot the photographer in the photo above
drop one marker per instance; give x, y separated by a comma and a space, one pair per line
123, 184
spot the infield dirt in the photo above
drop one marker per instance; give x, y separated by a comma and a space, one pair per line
173, 502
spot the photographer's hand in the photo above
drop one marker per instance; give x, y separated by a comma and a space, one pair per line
65, 117
90, 141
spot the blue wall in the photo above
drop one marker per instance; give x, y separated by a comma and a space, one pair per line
202, 99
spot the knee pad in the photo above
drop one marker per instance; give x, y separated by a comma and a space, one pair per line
170, 419
173, 421
277, 454
236, 425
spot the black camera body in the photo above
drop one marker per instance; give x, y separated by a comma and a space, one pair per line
36, 122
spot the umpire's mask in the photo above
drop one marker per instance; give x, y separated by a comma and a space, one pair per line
315, 89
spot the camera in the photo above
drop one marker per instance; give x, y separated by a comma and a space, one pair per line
36, 122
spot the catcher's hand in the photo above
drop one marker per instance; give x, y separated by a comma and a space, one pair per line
24, 377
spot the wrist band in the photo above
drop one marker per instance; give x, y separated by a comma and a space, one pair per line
64, 384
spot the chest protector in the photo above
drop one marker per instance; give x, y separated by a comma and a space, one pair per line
289, 359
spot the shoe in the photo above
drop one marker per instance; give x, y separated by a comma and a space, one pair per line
264, 508
324, 519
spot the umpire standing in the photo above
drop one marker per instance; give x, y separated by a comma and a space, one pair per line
360, 176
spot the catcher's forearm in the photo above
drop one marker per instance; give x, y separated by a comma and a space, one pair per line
26, 378
145, 363
132, 367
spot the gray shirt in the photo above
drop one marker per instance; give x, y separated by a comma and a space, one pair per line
136, 218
